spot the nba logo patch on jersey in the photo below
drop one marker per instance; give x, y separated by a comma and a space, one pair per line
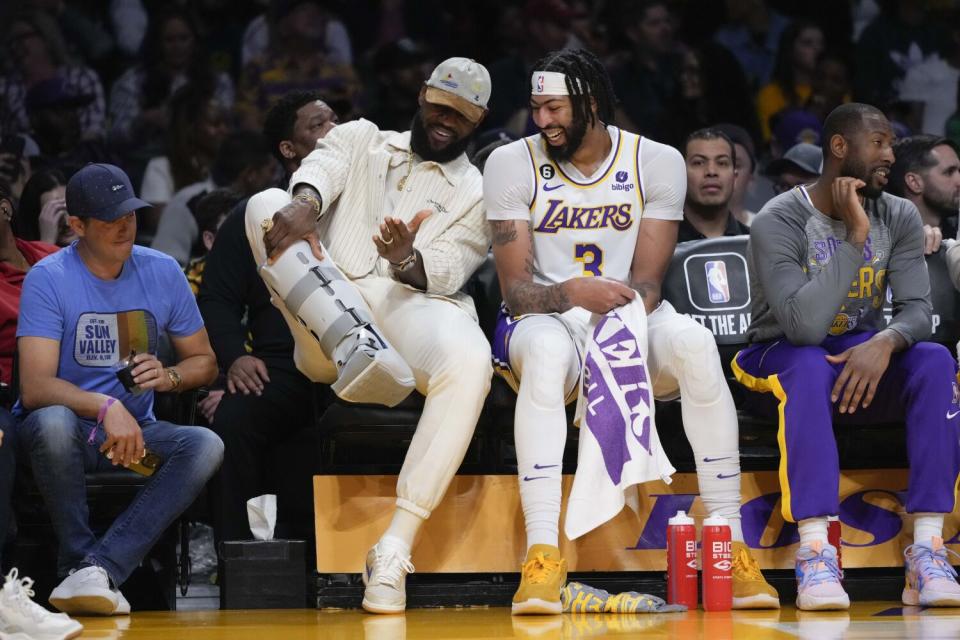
718, 288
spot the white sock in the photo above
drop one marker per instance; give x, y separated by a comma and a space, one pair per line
926, 527
812, 530
402, 532
544, 354
718, 474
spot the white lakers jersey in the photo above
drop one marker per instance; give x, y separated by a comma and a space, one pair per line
586, 227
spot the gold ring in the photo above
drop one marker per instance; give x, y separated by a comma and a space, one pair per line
266, 225
390, 241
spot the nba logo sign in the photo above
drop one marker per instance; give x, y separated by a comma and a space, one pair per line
718, 288
540, 83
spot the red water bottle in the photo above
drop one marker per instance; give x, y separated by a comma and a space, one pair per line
833, 536
682, 560
717, 555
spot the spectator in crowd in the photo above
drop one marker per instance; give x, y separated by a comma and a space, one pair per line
799, 165
927, 173
262, 29
428, 236
42, 213
293, 126
900, 37
17, 256
84, 27
267, 398
38, 54
830, 86
245, 163
711, 89
752, 33
172, 58
645, 78
76, 330
198, 125
55, 112
400, 68
793, 72
924, 83
548, 25
710, 156
823, 349
209, 210
15, 169
790, 128
745, 165
297, 58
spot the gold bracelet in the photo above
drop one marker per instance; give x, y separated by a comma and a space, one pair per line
311, 200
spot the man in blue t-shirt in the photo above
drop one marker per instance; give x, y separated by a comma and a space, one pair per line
85, 312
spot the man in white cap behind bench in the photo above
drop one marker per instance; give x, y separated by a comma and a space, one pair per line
365, 257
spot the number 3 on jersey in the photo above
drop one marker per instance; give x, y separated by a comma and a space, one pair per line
591, 256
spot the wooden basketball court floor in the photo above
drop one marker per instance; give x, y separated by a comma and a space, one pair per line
864, 620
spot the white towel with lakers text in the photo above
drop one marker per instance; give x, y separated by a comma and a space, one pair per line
619, 445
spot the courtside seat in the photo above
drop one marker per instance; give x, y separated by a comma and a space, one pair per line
152, 585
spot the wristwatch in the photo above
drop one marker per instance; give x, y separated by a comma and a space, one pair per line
175, 378
406, 264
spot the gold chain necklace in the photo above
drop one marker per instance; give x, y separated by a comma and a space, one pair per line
403, 180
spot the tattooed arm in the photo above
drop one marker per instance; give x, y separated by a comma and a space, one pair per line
651, 257
513, 254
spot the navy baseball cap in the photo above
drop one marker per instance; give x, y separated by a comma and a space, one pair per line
101, 191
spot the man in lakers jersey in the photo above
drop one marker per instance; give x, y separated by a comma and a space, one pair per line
584, 219
821, 259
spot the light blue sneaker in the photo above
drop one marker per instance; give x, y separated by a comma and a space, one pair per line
930, 579
818, 579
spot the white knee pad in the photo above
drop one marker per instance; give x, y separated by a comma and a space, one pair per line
548, 363
697, 365
317, 294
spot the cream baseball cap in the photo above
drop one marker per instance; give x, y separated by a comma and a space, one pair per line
461, 84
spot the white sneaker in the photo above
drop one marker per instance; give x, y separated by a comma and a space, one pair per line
21, 617
385, 577
87, 591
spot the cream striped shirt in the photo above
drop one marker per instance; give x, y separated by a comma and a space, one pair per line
350, 167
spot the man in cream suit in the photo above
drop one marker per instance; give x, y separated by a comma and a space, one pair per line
365, 257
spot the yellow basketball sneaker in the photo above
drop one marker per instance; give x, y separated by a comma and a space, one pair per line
542, 577
750, 589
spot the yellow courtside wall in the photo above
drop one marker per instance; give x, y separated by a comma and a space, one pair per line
478, 528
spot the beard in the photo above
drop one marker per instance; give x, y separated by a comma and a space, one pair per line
945, 204
420, 143
574, 135
856, 169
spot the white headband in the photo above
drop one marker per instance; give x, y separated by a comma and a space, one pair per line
548, 83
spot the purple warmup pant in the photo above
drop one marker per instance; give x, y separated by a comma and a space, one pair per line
919, 387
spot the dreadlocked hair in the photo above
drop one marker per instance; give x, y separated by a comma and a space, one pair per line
585, 77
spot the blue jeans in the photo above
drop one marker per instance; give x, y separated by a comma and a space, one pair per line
56, 442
